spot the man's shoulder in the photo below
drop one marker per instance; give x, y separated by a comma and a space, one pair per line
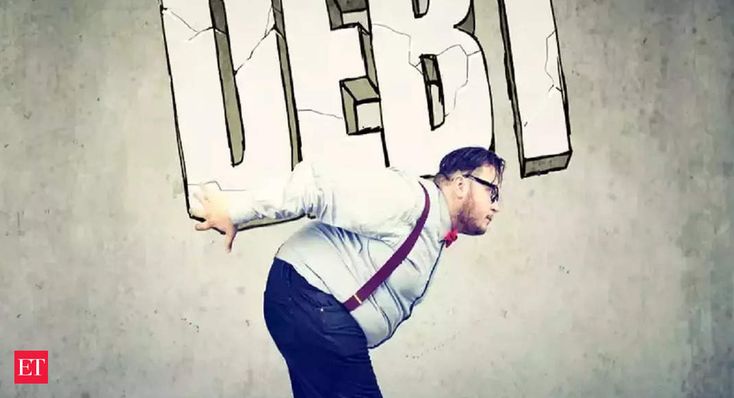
408, 175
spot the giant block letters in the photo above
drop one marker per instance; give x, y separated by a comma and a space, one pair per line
259, 85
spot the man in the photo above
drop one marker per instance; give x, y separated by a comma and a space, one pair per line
320, 326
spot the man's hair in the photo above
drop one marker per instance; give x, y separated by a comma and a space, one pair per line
468, 159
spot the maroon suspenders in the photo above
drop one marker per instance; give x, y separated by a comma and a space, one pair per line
384, 272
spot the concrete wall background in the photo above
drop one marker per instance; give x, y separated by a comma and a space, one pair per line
612, 278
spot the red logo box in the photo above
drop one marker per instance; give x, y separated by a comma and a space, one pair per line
31, 367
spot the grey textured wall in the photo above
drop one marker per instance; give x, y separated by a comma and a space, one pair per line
612, 278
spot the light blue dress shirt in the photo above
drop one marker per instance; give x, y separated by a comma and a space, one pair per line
361, 215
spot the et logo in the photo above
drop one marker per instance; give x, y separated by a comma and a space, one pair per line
31, 367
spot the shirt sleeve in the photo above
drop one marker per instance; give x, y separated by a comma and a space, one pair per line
375, 202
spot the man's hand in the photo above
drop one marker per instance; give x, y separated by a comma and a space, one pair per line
214, 210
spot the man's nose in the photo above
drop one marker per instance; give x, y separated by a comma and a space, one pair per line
495, 206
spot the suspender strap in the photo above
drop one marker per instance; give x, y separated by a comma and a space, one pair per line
396, 259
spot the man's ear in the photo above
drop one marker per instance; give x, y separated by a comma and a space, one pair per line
461, 188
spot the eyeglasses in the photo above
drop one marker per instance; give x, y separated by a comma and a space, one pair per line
494, 190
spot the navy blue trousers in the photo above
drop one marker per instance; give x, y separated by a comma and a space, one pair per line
324, 347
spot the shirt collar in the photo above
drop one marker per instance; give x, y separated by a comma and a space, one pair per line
444, 221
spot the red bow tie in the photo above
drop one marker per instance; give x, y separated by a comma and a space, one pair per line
451, 236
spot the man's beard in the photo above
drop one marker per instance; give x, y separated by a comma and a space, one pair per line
469, 225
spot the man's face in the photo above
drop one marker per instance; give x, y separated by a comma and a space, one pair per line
479, 207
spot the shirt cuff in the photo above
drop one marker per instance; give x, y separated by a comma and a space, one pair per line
241, 210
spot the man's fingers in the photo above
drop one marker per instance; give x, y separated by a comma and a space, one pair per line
229, 239
203, 226
202, 195
198, 212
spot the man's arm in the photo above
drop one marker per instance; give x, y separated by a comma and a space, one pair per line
374, 202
